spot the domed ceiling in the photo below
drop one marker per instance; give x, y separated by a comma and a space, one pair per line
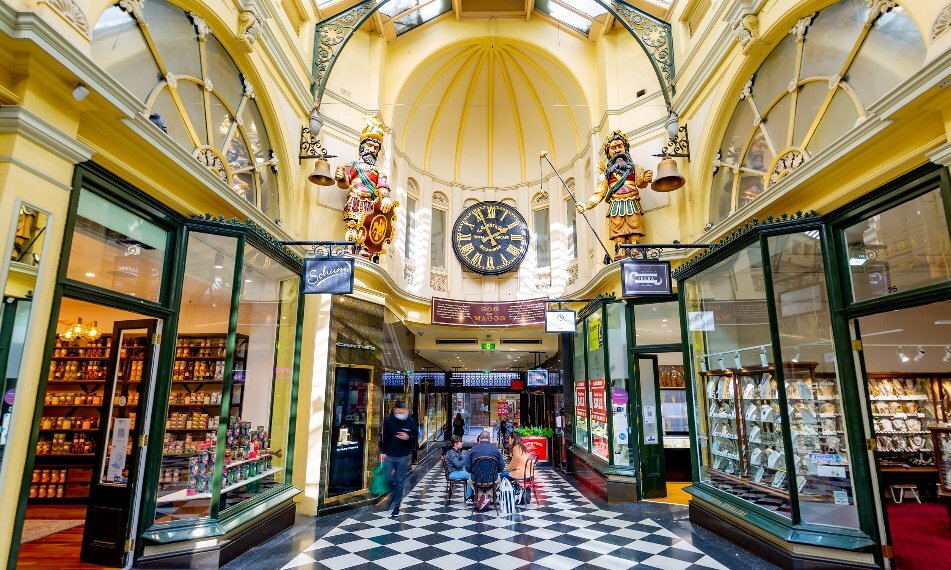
479, 112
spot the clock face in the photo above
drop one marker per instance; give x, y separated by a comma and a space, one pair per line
490, 238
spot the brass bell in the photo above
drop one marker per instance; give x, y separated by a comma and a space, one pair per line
668, 178
321, 174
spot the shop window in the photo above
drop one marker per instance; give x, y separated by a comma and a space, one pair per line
194, 92
348, 452
739, 420
900, 249
823, 471
262, 388
657, 323
790, 111
580, 387
594, 326
619, 373
196, 396
116, 249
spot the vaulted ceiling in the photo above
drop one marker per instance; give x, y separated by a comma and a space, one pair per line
478, 113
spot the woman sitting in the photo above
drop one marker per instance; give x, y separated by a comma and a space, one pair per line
520, 457
456, 462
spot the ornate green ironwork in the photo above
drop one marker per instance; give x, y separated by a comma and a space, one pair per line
252, 227
741, 231
651, 33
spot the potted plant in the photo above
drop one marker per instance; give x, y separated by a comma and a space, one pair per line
536, 439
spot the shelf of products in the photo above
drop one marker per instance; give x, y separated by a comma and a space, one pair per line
903, 408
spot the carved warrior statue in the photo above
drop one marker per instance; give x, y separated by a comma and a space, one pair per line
368, 214
619, 185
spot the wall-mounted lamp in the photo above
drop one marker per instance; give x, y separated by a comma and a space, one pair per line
80, 92
920, 355
947, 354
310, 147
668, 178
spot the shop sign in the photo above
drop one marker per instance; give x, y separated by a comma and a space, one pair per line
801, 301
476, 314
581, 403
738, 312
560, 321
594, 333
503, 407
619, 397
639, 277
537, 378
599, 409
701, 321
538, 446
328, 275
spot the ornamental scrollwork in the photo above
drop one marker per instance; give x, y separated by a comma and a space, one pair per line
941, 23
786, 163
72, 13
655, 36
332, 34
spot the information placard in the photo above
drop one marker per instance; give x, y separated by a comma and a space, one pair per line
476, 314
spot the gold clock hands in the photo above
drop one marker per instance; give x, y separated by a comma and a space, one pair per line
488, 232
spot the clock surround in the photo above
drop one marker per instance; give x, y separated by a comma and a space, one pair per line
490, 238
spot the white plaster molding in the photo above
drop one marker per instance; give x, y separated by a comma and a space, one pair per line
713, 57
20, 121
70, 11
737, 9
942, 22
35, 172
801, 27
746, 31
941, 155
25, 25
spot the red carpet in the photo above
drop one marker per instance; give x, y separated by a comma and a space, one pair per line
921, 535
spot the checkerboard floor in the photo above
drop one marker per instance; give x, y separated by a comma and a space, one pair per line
565, 531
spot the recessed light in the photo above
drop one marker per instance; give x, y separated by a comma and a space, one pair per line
248, 281
90, 274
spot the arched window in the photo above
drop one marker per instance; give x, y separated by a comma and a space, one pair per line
815, 86
571, 221
541, 224
412, 195
437, 236
192, 91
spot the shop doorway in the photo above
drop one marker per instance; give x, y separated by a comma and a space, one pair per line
904, 366
83, 498
484, 412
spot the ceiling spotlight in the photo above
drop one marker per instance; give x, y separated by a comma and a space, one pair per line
901, 355
920, 355
80, 92
796, 356
947, 354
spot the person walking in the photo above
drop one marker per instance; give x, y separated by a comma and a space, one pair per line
400, 433
459, 426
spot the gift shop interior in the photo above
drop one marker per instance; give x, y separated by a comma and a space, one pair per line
906, 363
101, 385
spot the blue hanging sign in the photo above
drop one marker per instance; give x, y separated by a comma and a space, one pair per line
328, 275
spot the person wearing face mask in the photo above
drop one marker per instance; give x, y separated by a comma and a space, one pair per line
400, 433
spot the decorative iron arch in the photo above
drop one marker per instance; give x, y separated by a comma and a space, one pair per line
652, 34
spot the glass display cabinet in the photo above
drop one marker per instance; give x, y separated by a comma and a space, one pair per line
941, 439
766, 398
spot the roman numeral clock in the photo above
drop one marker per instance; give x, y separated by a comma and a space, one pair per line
490, 238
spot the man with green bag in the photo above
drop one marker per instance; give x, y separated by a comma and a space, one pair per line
400, 433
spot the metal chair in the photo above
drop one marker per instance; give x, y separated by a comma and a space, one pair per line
528, 481
451, 483
485, 476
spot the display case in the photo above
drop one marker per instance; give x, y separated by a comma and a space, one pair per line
941, 442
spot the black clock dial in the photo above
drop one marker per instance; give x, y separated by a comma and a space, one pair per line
490, 238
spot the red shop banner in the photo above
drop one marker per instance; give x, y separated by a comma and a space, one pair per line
599, 410
581, 404
538, 446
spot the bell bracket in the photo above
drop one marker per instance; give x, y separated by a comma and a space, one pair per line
310, 146
678, 147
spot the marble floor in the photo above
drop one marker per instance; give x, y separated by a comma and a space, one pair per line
565, 529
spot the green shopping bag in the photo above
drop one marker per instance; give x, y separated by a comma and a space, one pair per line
378, 484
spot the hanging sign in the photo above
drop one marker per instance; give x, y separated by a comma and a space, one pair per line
474, 314
581, 403
560, 321
639, 277
599, 409
328, 275
536, 378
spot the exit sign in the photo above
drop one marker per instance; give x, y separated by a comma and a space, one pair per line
488, 346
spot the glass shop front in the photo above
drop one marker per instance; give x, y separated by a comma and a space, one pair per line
819, 379
186, 330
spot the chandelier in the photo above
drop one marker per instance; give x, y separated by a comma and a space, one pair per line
80, 331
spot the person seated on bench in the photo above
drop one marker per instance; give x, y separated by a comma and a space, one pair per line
484, 448
456, 461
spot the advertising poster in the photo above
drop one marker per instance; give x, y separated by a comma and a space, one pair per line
581, 403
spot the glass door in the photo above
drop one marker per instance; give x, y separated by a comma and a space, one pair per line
653, 478
113, 505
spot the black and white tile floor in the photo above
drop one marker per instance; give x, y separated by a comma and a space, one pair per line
566, 531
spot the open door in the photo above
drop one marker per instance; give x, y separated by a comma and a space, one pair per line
653, 479
110, 517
